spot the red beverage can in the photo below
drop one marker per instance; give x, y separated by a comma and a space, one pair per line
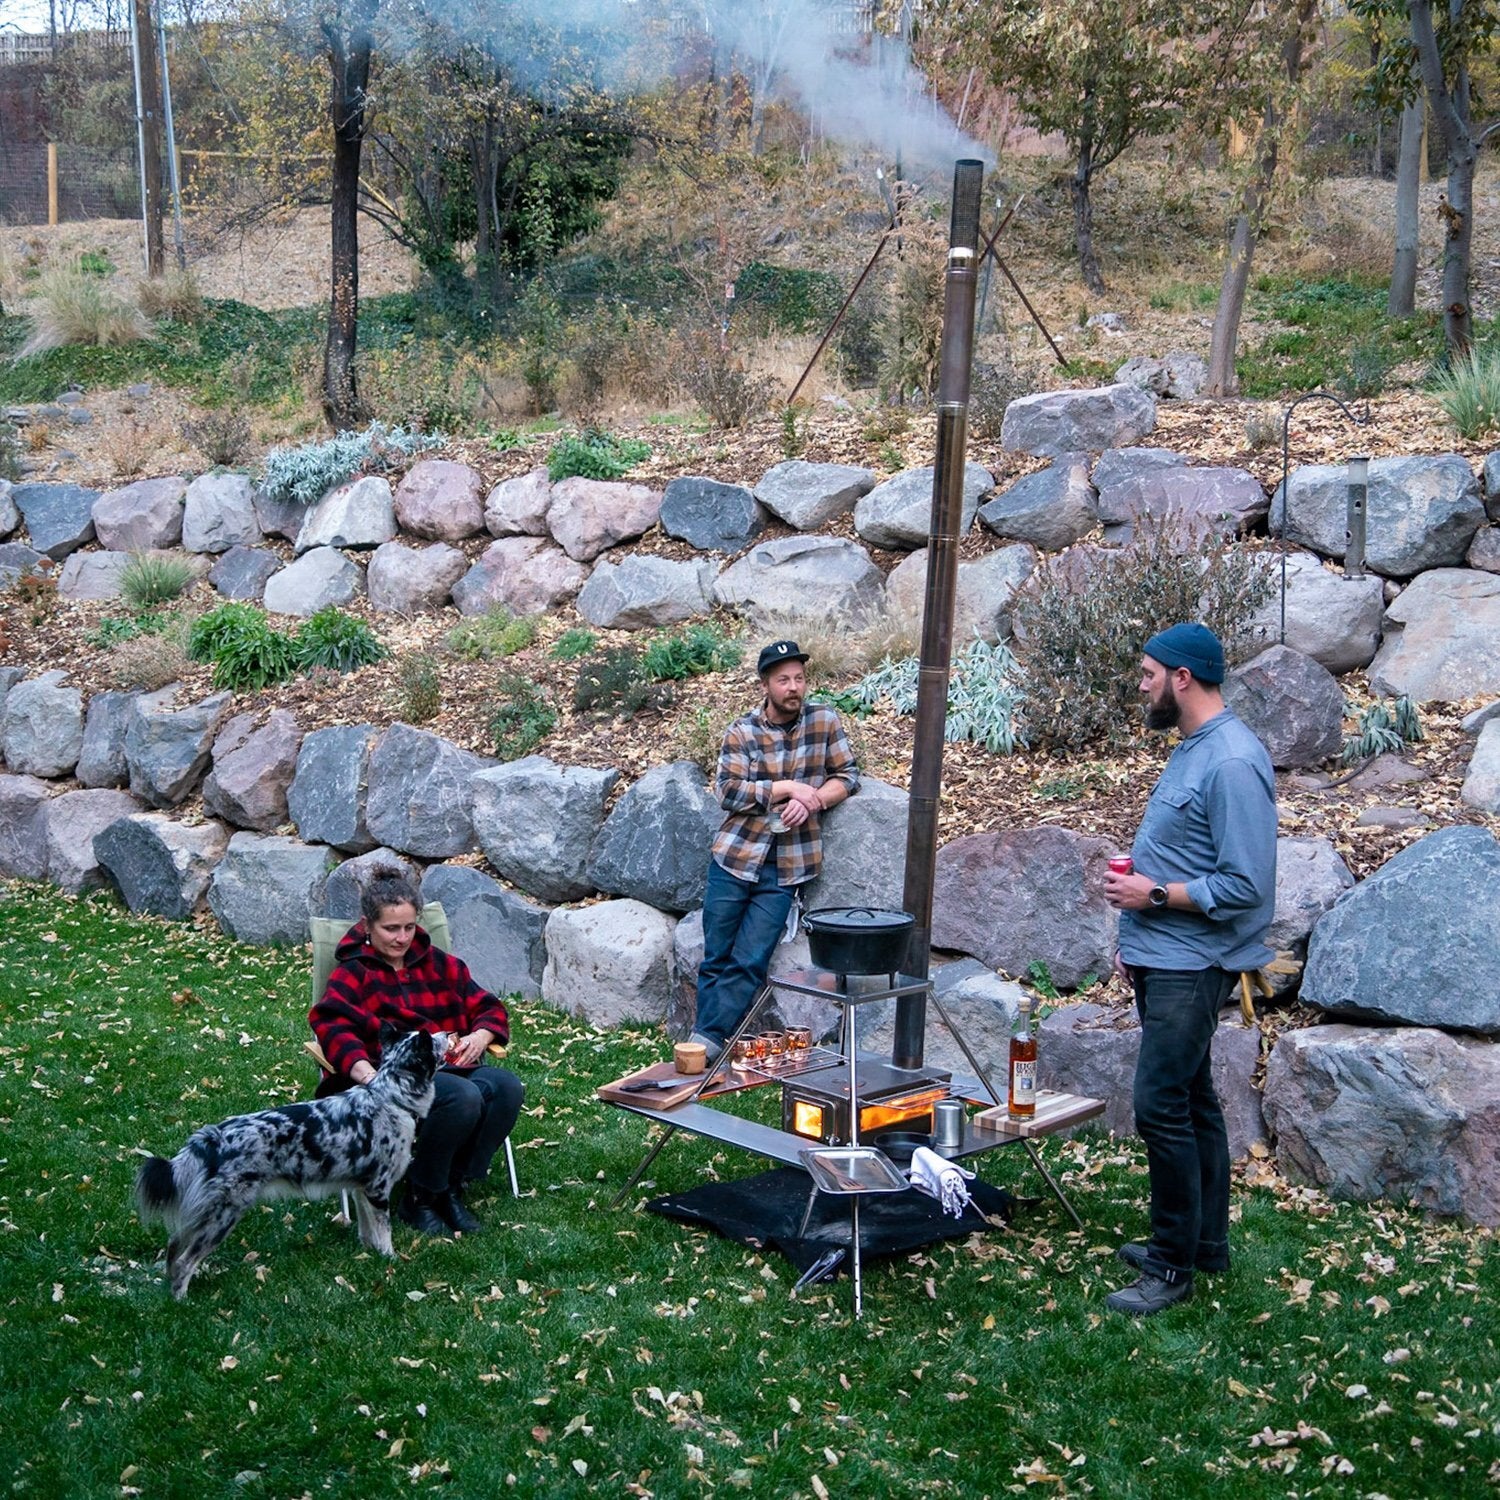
1122, 864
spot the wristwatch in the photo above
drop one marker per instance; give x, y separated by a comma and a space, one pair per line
1157, 896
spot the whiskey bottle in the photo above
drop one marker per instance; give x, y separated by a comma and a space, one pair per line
1022, 1065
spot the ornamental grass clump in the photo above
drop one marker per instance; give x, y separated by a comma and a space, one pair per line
1469, 391
77, 307
148, 580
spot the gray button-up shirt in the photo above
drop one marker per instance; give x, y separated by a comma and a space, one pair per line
1211, 824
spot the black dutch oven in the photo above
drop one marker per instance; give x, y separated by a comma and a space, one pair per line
858, 939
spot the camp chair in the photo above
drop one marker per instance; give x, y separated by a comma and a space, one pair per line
326, 932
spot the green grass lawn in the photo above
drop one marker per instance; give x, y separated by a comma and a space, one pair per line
574, 1350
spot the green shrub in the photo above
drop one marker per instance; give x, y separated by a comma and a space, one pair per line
421, 687
521, 717
245, 651
613, 683
95, 263
336, 641
572, 644
595, 455
1383, 730
691, 652
496, 633
1370, 362
1469, 391
113, 630
147, 581
985, 695
307, 472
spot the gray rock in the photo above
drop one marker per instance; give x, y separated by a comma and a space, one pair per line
1333, 619
527, 575
496, 932
610, 963
1310, 878
326, 799
9, 677
1481, 787
1442, 638
341, 893
1211, 501
283, 518
1491, 478
440, 500
317, 579
864, 850
141, 516
984, 597
642, 592
92, 575
518, 507
1033, 894
59, 517
898, 513
1484, 550
167, 748
1057, 422
655, 845
802, 575
808, 496
1392, 817
1422, 512
1416, 943
16, 558
537, 821
23, 828
358, 513
72, 821
1121, 475
409, 580
219, 513
1407, 1116
41, 732
159, 866
1470, 724
419, 799
101, 757
711, 516
10, 515
262, 889
252, 769
588, 516
1386, 770
1178, 376
243, 572
1052, 509
1294, 706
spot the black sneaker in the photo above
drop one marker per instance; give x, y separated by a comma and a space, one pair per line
455, 1212
1149, 1295
418, 1207
1134, 1256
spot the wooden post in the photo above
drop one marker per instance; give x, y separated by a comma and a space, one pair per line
52, 184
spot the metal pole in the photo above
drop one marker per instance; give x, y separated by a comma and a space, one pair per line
140, 137
957, 356
166, 97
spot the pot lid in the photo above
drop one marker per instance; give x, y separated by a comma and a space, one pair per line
856, 919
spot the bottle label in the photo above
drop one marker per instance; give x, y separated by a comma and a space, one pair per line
1023, 1082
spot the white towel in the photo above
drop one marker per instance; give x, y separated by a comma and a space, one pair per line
940, 1179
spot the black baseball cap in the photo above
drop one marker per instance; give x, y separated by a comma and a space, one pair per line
776, 653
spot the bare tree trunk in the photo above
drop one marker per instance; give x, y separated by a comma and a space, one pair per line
483, 155
1083, 215
151, 164
1402, 301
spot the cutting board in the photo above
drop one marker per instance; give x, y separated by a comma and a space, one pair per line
1054, 1111
665, 1098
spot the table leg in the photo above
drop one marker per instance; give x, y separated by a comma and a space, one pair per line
859, 1289
668, 1131
812, 1197
1057, 1192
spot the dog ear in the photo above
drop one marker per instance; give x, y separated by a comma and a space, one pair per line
390, 1033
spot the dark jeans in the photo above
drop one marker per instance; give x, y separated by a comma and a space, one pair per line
472, 1113
742, 923
1178, 1116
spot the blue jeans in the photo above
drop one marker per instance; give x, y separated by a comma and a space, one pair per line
1178, 1116
742, 922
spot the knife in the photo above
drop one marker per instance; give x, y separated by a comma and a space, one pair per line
645, 1085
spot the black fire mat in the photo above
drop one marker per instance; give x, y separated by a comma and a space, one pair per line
766, 1211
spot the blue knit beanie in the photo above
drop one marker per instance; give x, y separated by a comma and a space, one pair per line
1195, 647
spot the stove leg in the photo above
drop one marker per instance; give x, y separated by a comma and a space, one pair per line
1057, 1192
668, 1131
812, 1198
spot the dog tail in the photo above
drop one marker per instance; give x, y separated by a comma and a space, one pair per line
156, 1192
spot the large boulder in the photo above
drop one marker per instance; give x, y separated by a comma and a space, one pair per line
140, 516
317, 579
262, 889
497, 933
1178, 376
589, 516
655, 845
526, 574
898, 513
243, 572
802, 575
1057, 422
711, 516
1051, 509
341, 893
440, 500
72, 822
1310, 878
418, 799
610, 963
1293, 705
405, 580
1481, 788
1025, 896
1210, 500
167, 748
864, 850
1333, 619
1403, 1115
59, 517
101, 757
283, 517
1491, 477
518, 507
1122, 477
252, 769
359, 513
1484, 550
984, 596
16, 558
326, 798
23, 828
537, 821
642, 592
160, 866
219, 513
41, 728
1442, 638
10, 513
1416, 943
92, 575
1421, 512
807, 496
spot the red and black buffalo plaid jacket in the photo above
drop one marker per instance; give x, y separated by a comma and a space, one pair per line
433, 992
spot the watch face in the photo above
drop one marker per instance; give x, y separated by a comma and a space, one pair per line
1158, 895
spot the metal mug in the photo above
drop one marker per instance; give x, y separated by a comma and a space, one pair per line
948, 1120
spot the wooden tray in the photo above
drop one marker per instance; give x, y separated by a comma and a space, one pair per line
614, 1093
1054, 1111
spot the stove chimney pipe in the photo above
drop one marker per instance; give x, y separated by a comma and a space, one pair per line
957, 355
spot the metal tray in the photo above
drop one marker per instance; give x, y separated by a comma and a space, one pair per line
852, 1169
792, 1064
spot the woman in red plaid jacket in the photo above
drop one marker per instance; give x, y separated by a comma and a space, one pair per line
388, 970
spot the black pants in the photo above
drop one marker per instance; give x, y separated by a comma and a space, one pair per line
473, 1110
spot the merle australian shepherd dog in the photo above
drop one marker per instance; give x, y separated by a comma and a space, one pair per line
360, 1140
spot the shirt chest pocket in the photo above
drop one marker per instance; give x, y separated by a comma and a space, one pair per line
1169, 816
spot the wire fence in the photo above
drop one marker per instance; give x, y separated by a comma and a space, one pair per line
91, 182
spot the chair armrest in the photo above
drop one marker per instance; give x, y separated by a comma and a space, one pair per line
497, 1051
317, 1054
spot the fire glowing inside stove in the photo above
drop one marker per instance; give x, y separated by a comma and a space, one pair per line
825, 1119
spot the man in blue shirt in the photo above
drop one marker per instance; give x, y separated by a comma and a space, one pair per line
1193, 915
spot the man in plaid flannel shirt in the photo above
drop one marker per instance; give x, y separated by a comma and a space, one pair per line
780, 769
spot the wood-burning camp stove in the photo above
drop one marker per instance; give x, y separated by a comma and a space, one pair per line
816, 1106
